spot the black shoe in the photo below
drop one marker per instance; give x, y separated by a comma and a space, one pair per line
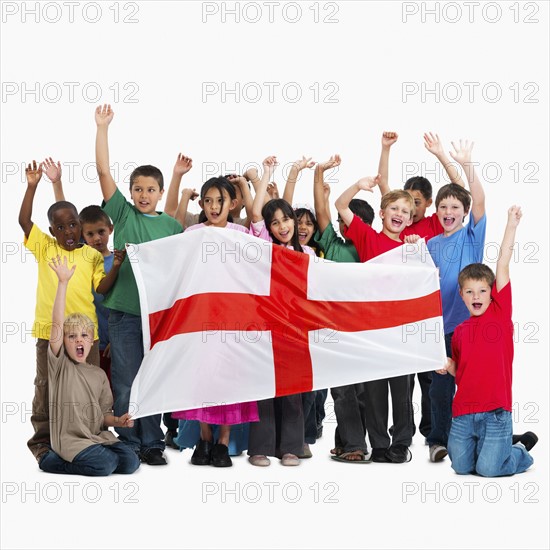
153, 457
202, 455
220, 456
379, 455
528, 439
398, 454
169, 439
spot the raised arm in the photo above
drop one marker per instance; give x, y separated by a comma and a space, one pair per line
181, 167
296, 168
342, 202
435, 147
181, 212
33, 175
53, 171
103, 117
269, 165
388, 139
58, 316
241, 182
322, 209
463, 155
507, 247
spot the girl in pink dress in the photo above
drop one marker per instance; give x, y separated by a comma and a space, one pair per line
217, 199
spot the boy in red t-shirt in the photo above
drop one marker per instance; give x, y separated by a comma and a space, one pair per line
480, 440
396, 211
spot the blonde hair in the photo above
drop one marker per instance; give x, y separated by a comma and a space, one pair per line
394, 196
77, 320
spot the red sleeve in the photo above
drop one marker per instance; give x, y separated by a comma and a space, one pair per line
502, 300
360, 234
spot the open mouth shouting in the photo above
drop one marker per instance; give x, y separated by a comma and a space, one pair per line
80, 352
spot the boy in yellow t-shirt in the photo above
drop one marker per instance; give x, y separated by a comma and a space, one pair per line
66, 232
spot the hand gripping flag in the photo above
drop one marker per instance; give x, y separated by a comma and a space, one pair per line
231, 318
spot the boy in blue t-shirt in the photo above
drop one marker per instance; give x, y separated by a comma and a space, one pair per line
458, 246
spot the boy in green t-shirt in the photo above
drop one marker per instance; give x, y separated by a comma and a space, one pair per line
133, 224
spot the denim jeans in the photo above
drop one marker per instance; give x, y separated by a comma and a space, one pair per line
95, 460
126, 356
481, 443
442, 391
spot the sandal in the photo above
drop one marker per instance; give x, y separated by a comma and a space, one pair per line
346, 457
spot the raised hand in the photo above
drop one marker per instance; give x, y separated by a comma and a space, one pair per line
389, 138
104, 115
463, 153
368, 183
33, 174
269, 164
433, 144
514, 215
273, 190
189, 194
52, 170
303, 163
251, 174
61, 268
332, 162
183, 165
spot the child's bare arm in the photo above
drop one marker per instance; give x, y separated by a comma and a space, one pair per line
109, 280
342, 202
463, 155
269, 165
58, 316
181, 167
103, 117
53, 171
247, 196
435, 147
124, 421
507, 247
388, 139
181, 212
272, 191
322, 209
33, 174
251, 175
296, 168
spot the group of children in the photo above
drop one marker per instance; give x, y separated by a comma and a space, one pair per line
89, 334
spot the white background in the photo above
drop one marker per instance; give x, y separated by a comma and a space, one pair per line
159, 55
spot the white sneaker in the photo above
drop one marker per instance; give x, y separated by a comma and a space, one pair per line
437, 453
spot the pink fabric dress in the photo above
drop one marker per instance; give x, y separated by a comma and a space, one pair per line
237, 413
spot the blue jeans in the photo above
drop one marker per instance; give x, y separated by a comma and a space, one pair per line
95, 460
481, 443
126, 356
442, 391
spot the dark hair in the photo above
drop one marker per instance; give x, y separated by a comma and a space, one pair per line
419, 183
456, 191
60, 205
362, 209
147, 171
268, 211
300, 213
94, 214
477, 272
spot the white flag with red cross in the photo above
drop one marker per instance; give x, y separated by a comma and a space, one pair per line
230, 318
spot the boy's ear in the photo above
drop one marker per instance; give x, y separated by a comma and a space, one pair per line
110, 230
410, 221
51, 231
429, 203
381, 214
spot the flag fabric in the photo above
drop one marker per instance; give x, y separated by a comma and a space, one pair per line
230, 318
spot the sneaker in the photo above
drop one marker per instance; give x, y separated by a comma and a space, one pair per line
153, 457
398, 454
220, 456
437, 453
169, 439
259, 460
528, 440
290, 460
202, 455
379, 455
306, 453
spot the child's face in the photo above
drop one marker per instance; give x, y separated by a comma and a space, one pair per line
146, 194
450, 213
215, 209
476, 295
396, 216
66, 228
420, 203
78, 341
305, 229
96, 235
282, 227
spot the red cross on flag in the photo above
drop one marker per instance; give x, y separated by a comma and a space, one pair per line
228, 318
